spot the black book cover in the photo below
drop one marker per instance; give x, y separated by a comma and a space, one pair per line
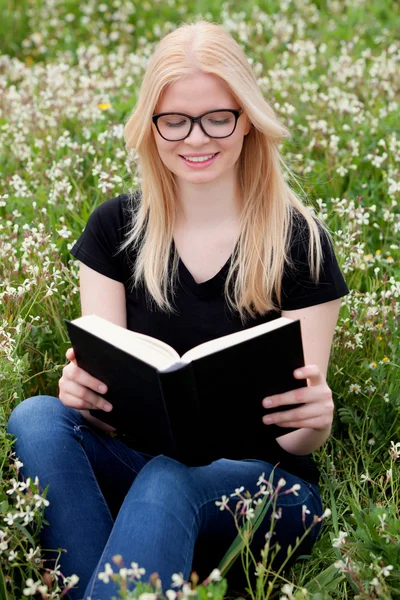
208, 409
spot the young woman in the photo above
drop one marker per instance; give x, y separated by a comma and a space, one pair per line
214, 241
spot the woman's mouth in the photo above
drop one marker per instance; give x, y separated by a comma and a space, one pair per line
199, 162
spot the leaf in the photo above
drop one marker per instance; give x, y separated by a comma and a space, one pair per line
249, 530
3, 590
328, 579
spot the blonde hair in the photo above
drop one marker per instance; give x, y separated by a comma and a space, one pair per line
257, 263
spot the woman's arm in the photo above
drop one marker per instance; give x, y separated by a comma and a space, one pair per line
317, 326
104, 297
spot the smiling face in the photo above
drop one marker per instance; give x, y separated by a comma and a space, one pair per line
196, 95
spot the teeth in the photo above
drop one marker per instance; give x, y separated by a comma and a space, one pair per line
198, 158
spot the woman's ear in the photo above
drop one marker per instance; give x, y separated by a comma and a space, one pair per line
249, 125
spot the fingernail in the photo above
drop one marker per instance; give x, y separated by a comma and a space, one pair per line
267, 403
102, 388
298, 373
107, 406
267, 420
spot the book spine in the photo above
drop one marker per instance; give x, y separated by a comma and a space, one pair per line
181, 398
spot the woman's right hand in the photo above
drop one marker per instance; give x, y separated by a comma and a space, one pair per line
78, 389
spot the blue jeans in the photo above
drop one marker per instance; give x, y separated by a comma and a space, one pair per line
107, 499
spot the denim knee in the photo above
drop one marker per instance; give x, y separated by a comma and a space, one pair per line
165, 480
37, 415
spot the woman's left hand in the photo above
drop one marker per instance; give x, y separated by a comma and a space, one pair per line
317, 411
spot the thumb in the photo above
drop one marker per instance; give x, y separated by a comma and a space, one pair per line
70, 354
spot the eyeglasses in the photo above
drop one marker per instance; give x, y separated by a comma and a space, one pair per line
174, 127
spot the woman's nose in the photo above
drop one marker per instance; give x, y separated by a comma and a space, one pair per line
197, 135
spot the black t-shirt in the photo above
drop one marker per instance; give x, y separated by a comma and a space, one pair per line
202, 313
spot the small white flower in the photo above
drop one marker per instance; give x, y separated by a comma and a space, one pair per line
31, 587
32, 553
71, 580
261, 479
281, 483
148, 596
187, 591
223, 503
339, 541
237, 492
40, 501
171, 594
177, 579
385, 571
15, 487
215, 575
105, 576
278, 514
294, 488
136, 570
287, 588
339, 564
249, 513
9, 519
354, 389
304, 512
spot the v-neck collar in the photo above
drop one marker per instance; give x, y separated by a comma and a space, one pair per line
211, 288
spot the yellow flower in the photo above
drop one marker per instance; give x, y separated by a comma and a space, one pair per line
28, 61
380, 338
378, 252
104, 106
385, 359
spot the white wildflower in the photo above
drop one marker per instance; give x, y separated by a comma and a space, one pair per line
106, 574
137, 571
177, 579
237, 492
31, 587
223, 503
215, 575
339, 541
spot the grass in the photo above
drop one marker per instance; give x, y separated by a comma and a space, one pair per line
330, 69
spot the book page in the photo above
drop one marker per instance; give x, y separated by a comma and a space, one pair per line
233, 338
146, 348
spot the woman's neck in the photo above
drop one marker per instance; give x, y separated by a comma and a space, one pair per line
208, 205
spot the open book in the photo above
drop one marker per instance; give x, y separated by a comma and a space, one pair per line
198, 407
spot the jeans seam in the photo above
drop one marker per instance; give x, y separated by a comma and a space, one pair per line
77, 430
108, 448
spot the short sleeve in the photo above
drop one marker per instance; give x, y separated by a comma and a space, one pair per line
98, 245
298, 288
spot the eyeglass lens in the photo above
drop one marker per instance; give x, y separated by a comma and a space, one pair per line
216, 124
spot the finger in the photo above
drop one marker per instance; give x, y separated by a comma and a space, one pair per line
74, 402
316, 423
78, 375
311, 372
84, 395
297, 396
70, 354
306, 411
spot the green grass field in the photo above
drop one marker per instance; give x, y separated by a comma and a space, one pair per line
69, 73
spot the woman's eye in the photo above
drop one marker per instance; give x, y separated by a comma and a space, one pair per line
224, 122
175, 124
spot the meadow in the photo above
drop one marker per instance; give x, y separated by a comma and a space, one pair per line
69, 73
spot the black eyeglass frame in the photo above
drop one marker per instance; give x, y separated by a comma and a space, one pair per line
236, 113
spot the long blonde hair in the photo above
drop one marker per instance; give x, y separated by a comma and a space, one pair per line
257, 263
